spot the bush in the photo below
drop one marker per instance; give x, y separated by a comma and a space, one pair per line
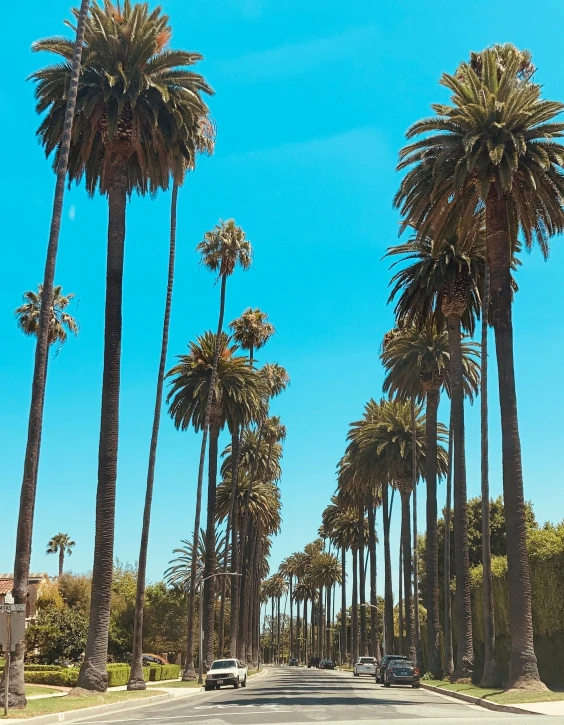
164, 672
42, 668
58, 678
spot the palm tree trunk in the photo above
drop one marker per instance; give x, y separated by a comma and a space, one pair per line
136, 680
388, 592
416, 622
93, 674
374, 644
400, 599
234, 612
490, 675
449, 657
343, 605
432, 542
61, 561
523, 668
210, 566
16, 698
407, 572
465, 649
362, 581
354, 615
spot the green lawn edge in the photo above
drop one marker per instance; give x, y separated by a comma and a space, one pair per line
51, 705
497, 695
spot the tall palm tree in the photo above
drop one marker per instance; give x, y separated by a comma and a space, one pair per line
35, 424
129, 78
204, 143
251, 331
237, 395
497, 144
61, 544
417, 361
387, 440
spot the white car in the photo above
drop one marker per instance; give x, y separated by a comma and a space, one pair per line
365, 666
226, 672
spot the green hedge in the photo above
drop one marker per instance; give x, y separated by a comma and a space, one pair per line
58, 678
164, 672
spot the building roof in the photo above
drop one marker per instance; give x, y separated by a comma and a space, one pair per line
6, 585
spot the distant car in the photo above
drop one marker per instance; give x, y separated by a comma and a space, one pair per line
327, 665
226, 672
313, 662
402, 672
386, 660
293, 662
151, 659
365, 666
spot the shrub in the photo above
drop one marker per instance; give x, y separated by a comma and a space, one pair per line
58, 678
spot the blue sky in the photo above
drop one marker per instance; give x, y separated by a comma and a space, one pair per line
312, 101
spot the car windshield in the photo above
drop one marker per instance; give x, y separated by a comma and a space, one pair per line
224, 664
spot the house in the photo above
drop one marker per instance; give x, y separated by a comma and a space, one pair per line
33, 586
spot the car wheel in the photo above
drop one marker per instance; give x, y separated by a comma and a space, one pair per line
244, 683
236, 684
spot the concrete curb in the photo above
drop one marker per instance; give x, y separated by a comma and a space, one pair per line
514, 710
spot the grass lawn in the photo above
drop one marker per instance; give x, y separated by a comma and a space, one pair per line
36, 690
63, 704
496, 695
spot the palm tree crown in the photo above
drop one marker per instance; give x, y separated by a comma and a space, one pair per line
136, 99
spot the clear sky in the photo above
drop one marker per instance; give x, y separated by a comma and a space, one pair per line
312, 101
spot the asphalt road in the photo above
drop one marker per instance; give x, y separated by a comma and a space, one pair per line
298, 696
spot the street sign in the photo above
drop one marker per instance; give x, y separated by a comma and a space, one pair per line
12, 629
12, 607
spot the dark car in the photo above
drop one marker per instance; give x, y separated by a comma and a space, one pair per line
313, 662
292, 662
384, 662
327, 665
402, 672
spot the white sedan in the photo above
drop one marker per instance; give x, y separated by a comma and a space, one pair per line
226, 672
365, 666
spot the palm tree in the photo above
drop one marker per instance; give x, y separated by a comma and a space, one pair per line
386, 441
61, 544
251, 331
35, 424
237, 393
417, 363
497, 148
129, 78
204, 143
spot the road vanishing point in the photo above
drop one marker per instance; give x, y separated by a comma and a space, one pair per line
298, 696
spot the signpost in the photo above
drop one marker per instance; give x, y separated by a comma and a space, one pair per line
12, 631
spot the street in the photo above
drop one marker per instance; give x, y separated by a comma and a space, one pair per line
298, 695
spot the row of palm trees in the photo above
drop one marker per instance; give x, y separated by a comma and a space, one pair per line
126, 113
483, 174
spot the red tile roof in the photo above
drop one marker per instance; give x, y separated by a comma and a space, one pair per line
6, 585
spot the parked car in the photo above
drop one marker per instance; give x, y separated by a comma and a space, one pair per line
313, 662
402, 672
386, 659
151, 659
327, 665
226, 672
365, 666
293, 662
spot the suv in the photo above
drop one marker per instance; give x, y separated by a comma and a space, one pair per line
365, 666
226, 672
386, 659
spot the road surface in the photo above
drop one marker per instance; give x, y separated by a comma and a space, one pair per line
296, 696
